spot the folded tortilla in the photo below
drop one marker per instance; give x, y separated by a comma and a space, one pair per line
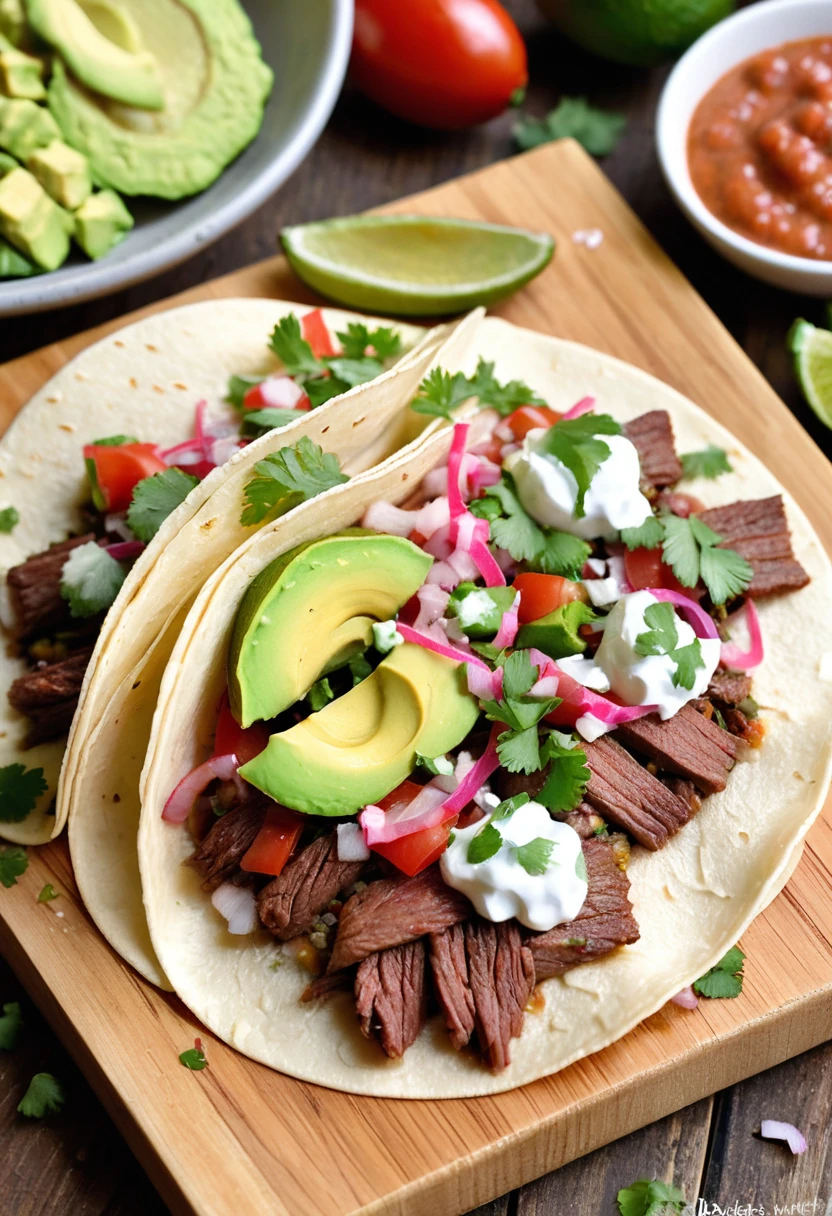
692, 900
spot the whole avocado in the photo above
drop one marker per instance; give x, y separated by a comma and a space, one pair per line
641, 33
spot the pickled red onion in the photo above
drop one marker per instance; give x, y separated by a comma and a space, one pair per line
455, 456
444, 648
425, 811
223, 768
731, 656
508, 625
703, 625
125, 550
584, 406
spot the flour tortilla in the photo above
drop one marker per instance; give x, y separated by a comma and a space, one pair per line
693, 900
145, 380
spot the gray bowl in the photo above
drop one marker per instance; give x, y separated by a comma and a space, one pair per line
307, 44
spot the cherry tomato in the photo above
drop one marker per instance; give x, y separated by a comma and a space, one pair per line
531, 417
541, 594
115, 471
313, 327
244, 742
274, 843
414, 853
438, 63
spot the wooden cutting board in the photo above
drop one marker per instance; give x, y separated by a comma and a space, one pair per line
237, 1138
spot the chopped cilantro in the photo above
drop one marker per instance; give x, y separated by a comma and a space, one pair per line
90, 580
648, 535
575, 443
662, 638
289, 477
723, 980
193, 1058
11, 1024
440, 393
155, 498
354, 371
320, 694
20, 789
324, 389
681, 551
580, 867
43, 1097
650, 1198
292, 349
238, 386
436, 765
518, 747
114, 441
484, 845
360, 667
258, 422
535, 856
13, 863
596, 130
47, 894
568, 774
506, 808
720, 721
690, 549
505, 398
710, 462
9, 519
749, 707
358, 339
543, 550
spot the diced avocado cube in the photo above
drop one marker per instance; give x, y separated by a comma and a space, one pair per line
7, 163
12, 20
101, 223
21, 75
31, 221
13, 265
25, 126
63, 173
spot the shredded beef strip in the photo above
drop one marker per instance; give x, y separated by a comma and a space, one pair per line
326, 985
218, 855
393, 911
449, 965
631, 797
688, 744
729, 687
685, 790
391, 996
758, 530
291, 903
35, 589
605, 921
501, 975
652, 436
48, 696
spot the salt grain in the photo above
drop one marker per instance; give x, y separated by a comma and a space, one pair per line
590, 237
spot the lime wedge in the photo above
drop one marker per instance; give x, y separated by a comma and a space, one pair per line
812, 350
414, 265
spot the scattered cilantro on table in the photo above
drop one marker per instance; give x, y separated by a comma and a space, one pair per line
544, 550
193, 1058
155, 498
662, 638
90, 580
710, 462
650, 1197
288, 477
725, 979
43, 1097
9, 519
13, 863
11, 1024
440, 393
568, 773
20, 789
596, 130
519, 746
47, 894
576, 443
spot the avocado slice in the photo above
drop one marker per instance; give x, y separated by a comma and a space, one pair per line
97, 62
12, 21
31, 221
115, 23
310, 610
362, 745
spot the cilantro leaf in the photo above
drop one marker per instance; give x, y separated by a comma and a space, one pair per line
43, 1097
505, 398
681, 551
688, 660
47, 894
354, 371
292, 349
506, 808
323, 389
238, 386
596, 130
320, 694
358, 339
725, 573
519, 750
13, 863
90, 579
194, 1058
114, 441
519, 674
9, 519
518, 747
289, 477
710, 462
544, 550
436, 765
568, 774
360, 668
440, 393
580, 867
535, 856
20, 789
258, 422
11, 1024
650, 1197
648, 535
725, 979
155, 498
575, 443
484, 845
690, 549
662, 636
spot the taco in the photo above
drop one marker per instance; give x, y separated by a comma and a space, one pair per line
530, 709
94, 471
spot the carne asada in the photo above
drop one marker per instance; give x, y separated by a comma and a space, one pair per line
291, 903
688, 744
626, 794
759, 531
391, 996
652, 435
218, 855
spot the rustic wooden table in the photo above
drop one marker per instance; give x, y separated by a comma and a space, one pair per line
76, 1164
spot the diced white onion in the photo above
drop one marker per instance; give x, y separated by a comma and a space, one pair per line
350, 842
238, 906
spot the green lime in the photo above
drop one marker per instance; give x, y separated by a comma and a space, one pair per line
812, 350
414, 265
639, 32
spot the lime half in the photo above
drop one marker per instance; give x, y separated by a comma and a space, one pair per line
812, 350
414, 265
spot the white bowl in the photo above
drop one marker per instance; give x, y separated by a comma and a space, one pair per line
752, 30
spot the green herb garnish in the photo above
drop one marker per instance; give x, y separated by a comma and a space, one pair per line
568, 774
435, 765
598, 131
710, 462
289, 477
650, 1197
193, 1058
576, 444
440, 393
543, 550
47, 894
648, 535
357, 339
518, 747
535, 856
11, 1024
20, 789
725, 979
662, 638
9, 519
13, 863
90, 580
43, 1097
155, 498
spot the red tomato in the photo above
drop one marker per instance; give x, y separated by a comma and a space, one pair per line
644, 568
569, 710
115, 471
244, 742
530, 417
313, 327
276, 392
541, 594
438, 63
274, 843
414, 853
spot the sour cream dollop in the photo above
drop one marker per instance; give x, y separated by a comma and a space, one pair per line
501, 887
549, 491
641, 679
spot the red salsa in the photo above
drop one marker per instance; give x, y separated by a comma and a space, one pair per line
760, 148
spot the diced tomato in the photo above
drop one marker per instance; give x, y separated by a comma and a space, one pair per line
571, 694
417, 538
276, 392
643, 568
541, 594
530, 417
313, 327
680, 504
115, 471
274, 843
414, 853
244, 742
493, 450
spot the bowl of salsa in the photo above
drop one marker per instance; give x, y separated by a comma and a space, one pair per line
744, 135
